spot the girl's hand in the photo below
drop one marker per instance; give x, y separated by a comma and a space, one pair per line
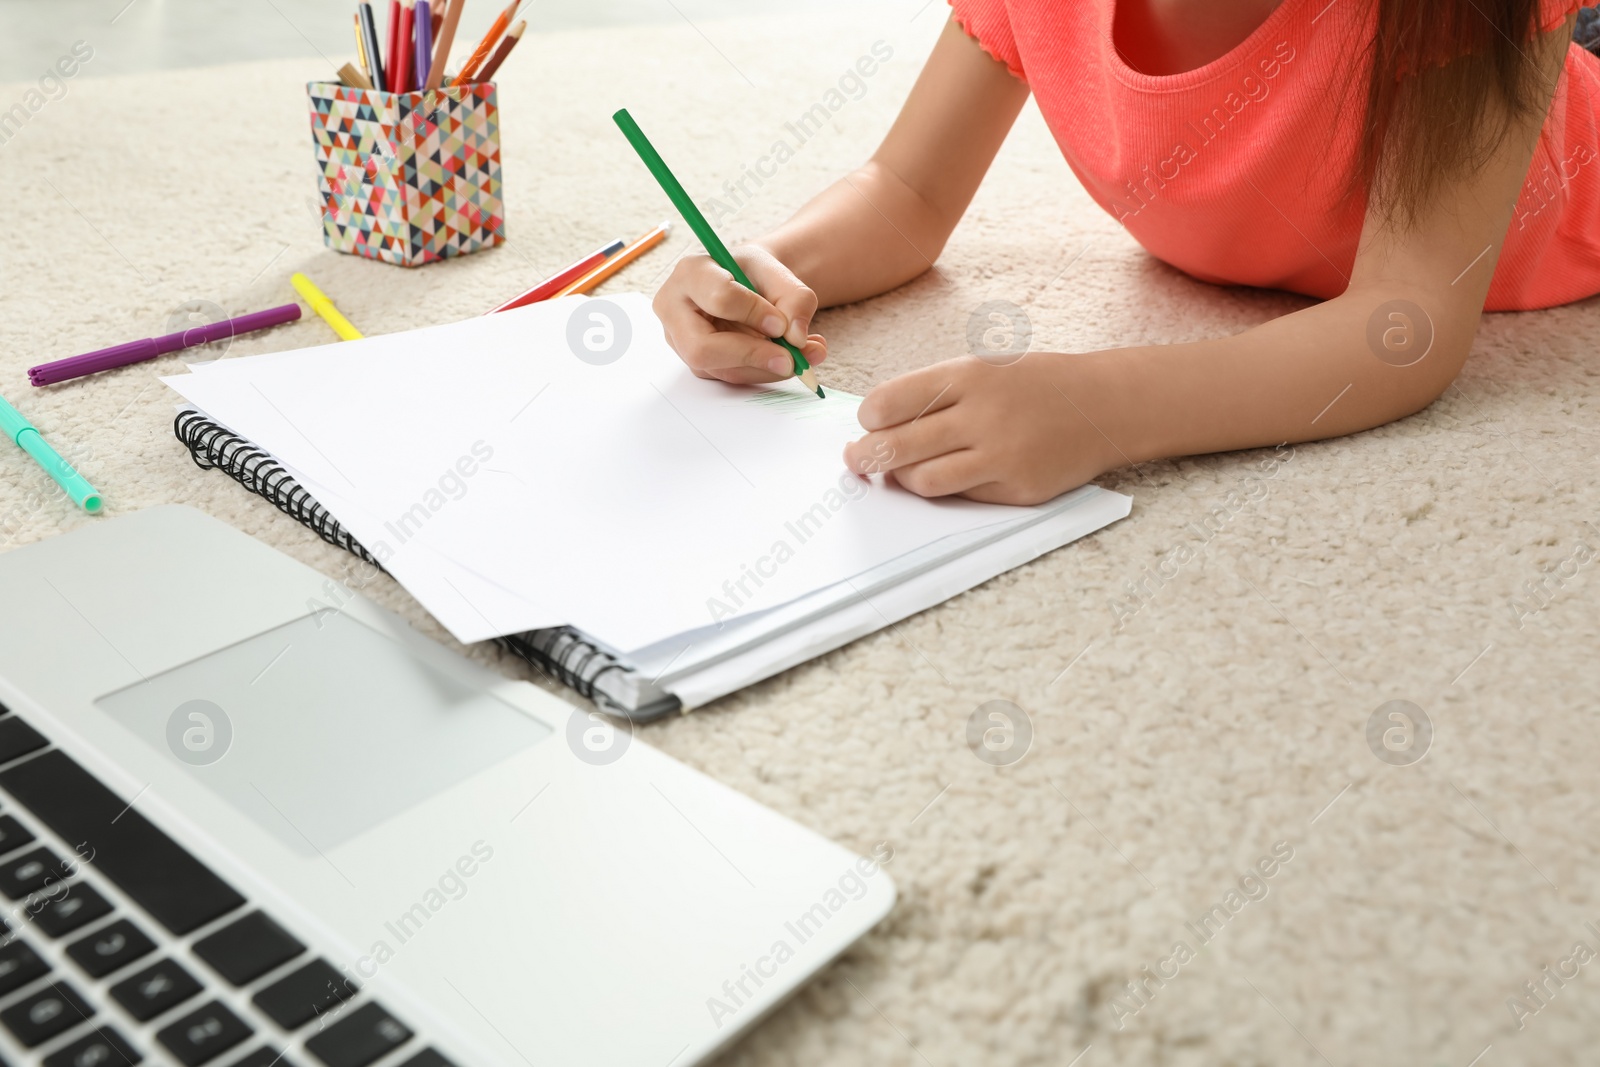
1002, 434
722, 330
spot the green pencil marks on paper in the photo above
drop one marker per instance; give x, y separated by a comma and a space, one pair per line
837, 408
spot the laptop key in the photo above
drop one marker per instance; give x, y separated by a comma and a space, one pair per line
77, 907
36, 1019
154, 990
245, 950
428, 1057
13, 834
101, 953
17, 738
158, 873
31, 872
359, 1037
203, 1035
102, 1048
19, 965
263, 1057
298, 997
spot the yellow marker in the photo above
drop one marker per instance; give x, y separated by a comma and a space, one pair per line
324, 307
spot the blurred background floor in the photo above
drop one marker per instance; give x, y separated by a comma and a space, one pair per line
139, 35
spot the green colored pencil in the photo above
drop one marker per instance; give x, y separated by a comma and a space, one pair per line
702, 229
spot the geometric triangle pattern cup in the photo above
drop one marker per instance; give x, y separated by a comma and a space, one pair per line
408, 178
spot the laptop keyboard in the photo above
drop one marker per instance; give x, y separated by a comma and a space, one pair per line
120, 947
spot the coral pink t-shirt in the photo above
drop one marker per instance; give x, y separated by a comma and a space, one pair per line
1234, 172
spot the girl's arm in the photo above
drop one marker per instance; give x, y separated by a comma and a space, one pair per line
1050, 422
886, 223
872, 230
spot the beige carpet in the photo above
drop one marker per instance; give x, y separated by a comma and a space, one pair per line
1228, 714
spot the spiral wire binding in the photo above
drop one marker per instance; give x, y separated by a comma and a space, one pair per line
264, 476
559, 652
568, 657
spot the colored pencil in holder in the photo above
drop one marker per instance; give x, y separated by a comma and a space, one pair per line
469, 70
369, 33
389, 53
507, 43
424, 43
441, 46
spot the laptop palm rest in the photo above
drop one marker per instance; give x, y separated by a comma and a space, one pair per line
322, 728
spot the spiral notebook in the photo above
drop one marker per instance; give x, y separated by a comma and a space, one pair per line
615, 535
559, 651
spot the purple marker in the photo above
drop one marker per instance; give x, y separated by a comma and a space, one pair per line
139, 351
424, 41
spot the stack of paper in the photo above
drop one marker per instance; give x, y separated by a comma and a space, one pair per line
706, 535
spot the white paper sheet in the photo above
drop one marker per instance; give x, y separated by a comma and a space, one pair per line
697, 649
631, 499
869, 612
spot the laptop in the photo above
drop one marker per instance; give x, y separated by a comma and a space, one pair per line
249, 818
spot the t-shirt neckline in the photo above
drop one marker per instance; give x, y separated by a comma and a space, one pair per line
1207, 72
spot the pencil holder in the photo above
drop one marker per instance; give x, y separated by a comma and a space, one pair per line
408, 178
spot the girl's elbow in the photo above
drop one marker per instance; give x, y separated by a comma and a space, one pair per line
1421, 383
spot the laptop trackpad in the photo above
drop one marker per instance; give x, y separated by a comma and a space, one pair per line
321, 729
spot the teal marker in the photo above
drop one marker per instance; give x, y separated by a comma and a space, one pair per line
25, 437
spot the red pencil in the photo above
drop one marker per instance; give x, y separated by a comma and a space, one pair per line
556, 282
404, 75
391, 46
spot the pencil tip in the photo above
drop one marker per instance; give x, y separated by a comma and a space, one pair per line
820, 394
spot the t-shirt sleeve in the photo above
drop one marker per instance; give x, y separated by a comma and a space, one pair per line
1553, 13
988, 23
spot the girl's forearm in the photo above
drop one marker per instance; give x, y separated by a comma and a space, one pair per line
1385, 348
1301, 377
864, 235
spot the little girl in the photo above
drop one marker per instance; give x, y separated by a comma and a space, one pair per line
1410, 163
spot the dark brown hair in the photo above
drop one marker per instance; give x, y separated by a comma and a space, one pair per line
1446, 80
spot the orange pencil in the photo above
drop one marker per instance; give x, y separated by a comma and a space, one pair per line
605, 270
507, 43
479, 53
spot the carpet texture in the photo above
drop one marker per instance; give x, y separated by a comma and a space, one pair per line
1179, 736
